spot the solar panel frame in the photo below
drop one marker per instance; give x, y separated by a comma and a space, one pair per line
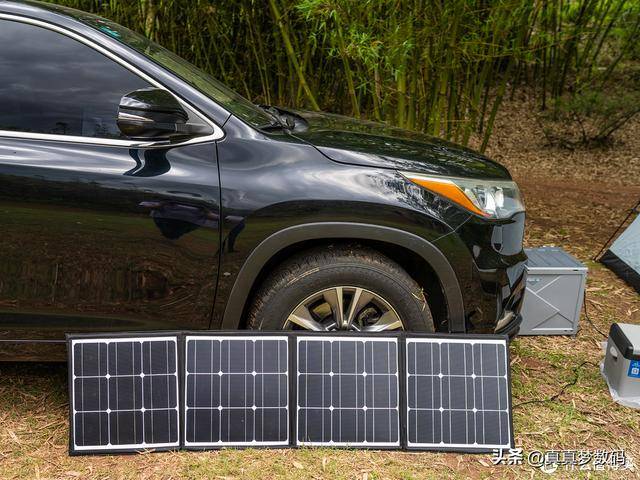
122, 337
237, 335
467, 339
397, 338
402, 341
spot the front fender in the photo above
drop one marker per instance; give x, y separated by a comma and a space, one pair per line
343, 231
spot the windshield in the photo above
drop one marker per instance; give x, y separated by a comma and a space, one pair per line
230, 100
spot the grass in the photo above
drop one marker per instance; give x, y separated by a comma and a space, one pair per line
574, 200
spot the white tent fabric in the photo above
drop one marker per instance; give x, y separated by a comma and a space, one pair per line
627, 245
623, 256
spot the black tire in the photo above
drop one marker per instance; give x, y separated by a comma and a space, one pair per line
314, 270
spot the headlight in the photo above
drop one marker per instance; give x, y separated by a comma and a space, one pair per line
487, 198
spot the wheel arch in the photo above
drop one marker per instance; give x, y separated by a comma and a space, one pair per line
284, 240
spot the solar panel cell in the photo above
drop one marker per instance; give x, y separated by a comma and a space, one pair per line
236, 391
457, 394
124, 394
348, 391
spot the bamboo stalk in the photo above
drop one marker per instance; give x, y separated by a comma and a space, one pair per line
291, 54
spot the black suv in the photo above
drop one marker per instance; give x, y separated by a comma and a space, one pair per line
138, 193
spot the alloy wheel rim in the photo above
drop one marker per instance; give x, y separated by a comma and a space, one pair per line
344, 308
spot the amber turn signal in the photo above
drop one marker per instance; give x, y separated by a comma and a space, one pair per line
447, 189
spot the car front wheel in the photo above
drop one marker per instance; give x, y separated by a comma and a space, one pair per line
340, 288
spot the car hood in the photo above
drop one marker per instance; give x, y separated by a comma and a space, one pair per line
356, 142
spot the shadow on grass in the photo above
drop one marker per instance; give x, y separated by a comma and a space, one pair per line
27, 387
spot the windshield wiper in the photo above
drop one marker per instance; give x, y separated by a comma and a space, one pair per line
275, 125
279, 121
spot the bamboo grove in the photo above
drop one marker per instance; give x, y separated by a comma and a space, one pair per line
443, 67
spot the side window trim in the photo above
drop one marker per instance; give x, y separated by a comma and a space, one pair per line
217, 134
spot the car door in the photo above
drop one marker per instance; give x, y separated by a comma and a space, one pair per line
97, 233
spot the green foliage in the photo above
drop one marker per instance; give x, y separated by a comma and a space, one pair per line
438, 66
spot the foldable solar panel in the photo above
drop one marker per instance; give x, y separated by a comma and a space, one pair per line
451, 392
347, 391
458, 394
236, 391
124, 394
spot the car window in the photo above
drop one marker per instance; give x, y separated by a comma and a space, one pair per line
53, 84
202, 81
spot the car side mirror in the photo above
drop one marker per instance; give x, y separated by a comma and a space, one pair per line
155, 114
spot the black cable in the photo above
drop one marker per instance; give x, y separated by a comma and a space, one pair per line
576, 372
586, 314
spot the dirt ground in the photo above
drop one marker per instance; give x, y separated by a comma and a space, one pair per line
574, 200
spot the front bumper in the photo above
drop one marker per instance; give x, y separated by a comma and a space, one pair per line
489, 262
509, 324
